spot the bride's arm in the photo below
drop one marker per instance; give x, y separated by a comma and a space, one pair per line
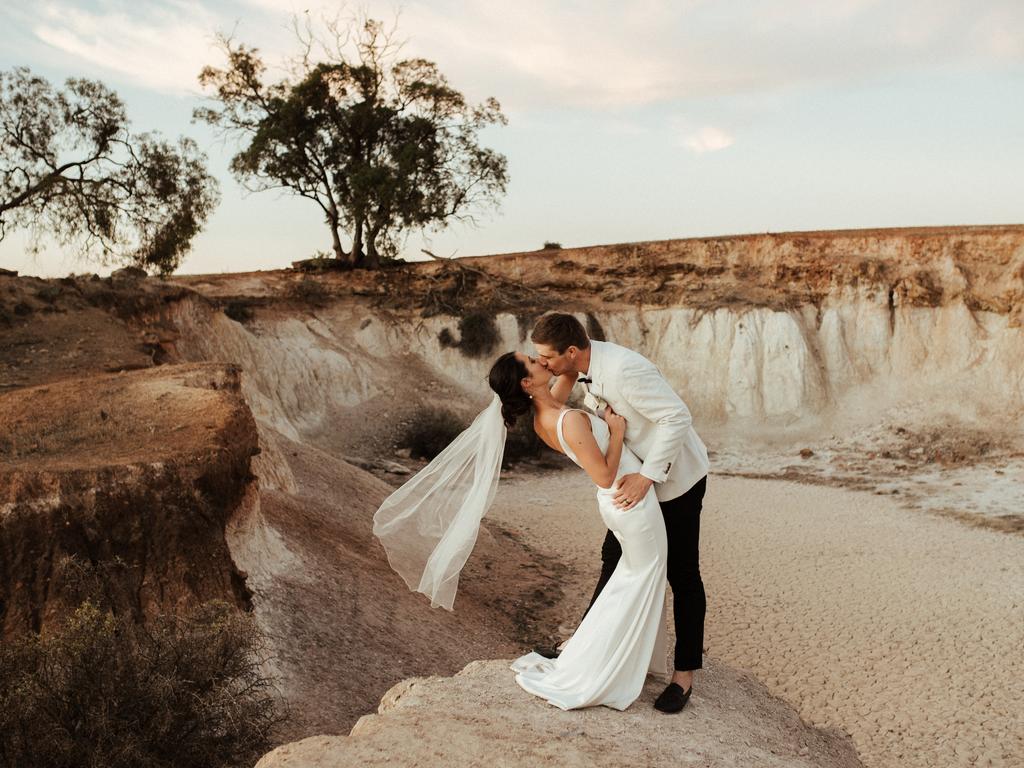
602, 468
563, 387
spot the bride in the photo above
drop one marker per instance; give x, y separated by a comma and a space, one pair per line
429, 525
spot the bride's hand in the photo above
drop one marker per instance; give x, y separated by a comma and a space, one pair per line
616, 423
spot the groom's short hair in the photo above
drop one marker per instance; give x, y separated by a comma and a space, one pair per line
560, 331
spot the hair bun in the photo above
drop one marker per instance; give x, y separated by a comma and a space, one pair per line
513, 408
505, 379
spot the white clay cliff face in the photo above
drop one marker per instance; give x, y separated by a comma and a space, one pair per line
745, 367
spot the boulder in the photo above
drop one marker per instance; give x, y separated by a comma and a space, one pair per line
481, 717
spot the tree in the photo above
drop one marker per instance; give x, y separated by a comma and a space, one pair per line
381, 145
69, 167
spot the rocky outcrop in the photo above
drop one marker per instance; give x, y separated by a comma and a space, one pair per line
342, 626
157, 466
143, 468
481, 717
81, 325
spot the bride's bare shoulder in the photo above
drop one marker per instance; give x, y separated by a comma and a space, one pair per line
575, 423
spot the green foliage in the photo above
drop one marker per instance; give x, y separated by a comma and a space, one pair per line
594, 328
240, 311
309, 291
522, 444
551, 245
180, 692
71, 169
478, 335
430, 431
381, 145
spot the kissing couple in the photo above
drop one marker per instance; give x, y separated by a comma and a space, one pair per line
638, 445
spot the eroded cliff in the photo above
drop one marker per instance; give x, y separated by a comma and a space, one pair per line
881, 359
886, 359
142, 468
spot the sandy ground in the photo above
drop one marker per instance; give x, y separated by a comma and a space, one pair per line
902, 628
951, 464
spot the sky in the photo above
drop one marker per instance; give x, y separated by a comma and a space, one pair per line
627, 121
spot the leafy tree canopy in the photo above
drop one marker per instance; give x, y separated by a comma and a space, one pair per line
382, 145
70, 168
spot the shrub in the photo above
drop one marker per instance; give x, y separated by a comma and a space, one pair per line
181, 691
550, 245
478, 335
309, 291
594, 329
446, 338
239, 311
322, 261
522, 444
430, 431
49, 293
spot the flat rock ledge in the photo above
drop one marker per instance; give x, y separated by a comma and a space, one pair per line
480, 717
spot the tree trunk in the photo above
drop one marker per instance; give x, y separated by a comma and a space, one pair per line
339, 252
357, 243
372, 256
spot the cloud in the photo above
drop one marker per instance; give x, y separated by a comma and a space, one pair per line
618, 127
162, 47
611, 55
602, 55
707, 139
548, 55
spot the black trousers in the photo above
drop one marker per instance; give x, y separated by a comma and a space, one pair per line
682, 526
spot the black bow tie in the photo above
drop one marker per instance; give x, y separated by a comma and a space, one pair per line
585, 380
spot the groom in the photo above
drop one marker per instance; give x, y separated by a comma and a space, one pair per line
659, 431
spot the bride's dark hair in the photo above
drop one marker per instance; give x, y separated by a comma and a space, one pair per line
505, 379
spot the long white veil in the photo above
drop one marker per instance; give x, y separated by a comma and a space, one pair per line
428, 526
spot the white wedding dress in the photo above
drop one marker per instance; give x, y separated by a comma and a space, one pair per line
623, 636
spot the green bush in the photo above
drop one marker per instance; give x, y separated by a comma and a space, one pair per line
479, 334
522, 444
240, 311
309, 291
430, 431
179, 692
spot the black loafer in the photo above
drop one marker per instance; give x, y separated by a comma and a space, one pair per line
547, 651
673, 698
